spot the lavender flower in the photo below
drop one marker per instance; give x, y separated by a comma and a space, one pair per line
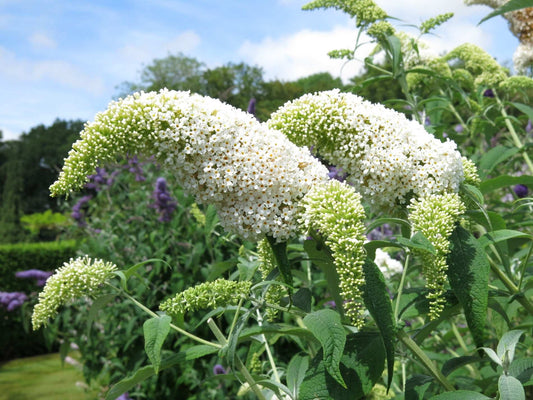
488, 93
336, 173
164, 204
135, 167
77, 213
39, 276
12, 300
382, 232
521, 191
219, 370
459, 128
251, 107
124, 396
529, 126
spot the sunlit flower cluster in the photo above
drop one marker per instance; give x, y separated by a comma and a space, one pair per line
470, 172
334, 211
387, 157
253, 175
219, 293
387, 265
364, 11
435, 217
77, 278
523, 57
483, 67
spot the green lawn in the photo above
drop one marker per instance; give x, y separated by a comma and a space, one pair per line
41, 377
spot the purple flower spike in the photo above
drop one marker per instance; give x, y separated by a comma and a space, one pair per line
12, 300
529, 126
251, 107
219, 370
39, 276
164, 203
336, 173
77, 213
488, 93
521, 191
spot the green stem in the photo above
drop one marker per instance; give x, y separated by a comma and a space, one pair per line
512, 287
240, 366
400, 288
513, 133
267, 349
424, 359
176, 328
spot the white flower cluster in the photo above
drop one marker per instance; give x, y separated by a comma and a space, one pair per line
253, 175
334, 210
387, 157
387, 265
523, 57
77, 278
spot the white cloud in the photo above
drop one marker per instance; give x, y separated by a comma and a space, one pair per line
8, 135
56, 71
40, 40
304, 53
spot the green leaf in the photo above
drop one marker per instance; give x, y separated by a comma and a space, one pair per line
97, 305
522, 369
302, 299
512, 5
493, 157
507, 344
457, 362
211, 219
280, 253
370, 247
468, 274
461, 395
504, 181
361, 366
395, 48
278, 330
492, 354
321, 257
525, 109
418, 242
510, 388
378, 303
296, 373
148, 371
501, 235
416, 387
327, 327
155, 332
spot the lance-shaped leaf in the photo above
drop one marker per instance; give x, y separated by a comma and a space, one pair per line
361, 365
468, 274
327, 327
378, 302
155, 332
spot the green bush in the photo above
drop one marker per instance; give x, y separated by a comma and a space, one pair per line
17, 339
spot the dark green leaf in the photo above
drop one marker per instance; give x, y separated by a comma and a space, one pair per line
361, 367
510, 388
522, 107
468, 274
370, 247
296, 372
327, 327
504, 181
155, 332
321, 257
416, 386
280, 253
378, 303
461, 395
512, 5
457, 362
522, 369
211, 219
302, 299
277, 329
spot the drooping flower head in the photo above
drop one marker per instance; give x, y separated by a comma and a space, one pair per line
77, 278
253, 175
219, 293
435, 217
334, 210
387, 158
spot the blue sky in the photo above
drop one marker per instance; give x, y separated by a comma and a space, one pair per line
64, 59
